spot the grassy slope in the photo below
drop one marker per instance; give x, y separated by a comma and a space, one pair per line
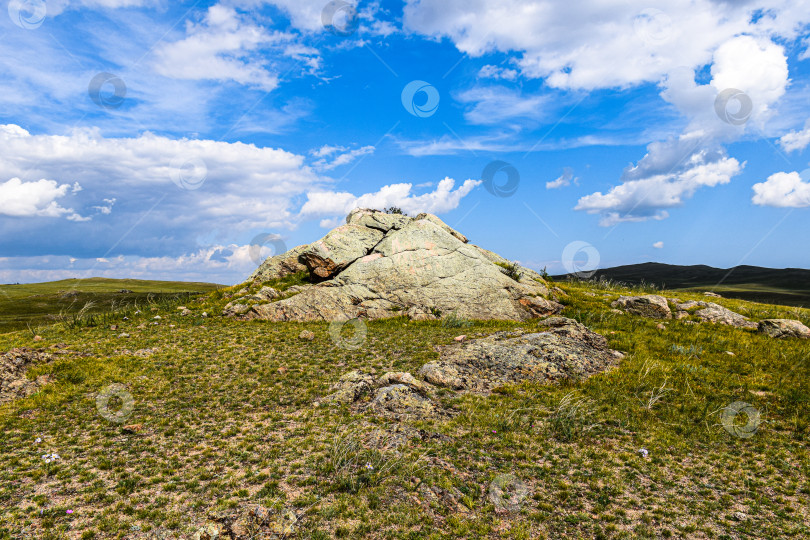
35, 304
228, 417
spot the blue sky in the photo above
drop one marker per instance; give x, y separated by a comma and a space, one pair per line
187, 140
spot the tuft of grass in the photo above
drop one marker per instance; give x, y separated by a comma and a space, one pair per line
571, 419
511, 269
452, 320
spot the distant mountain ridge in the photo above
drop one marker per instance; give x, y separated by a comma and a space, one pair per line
787, 286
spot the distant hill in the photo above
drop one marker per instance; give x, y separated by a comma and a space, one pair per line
786, 286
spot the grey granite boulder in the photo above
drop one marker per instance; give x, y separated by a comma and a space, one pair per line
400, 400
351, 387
651, 305
715, 313
783, 328
565, 350
397, 395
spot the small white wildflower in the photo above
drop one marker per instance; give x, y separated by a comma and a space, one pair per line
644, 452
39, 440
369, 466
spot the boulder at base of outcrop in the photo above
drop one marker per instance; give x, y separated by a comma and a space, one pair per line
351, 387
397, 395
380, 265
651, 305
400, 400
566, 350
13, 367
783, 328
715, 313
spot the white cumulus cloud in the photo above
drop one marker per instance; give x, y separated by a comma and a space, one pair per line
783, 190
648, 197
796, 140
30, 199
443, 199
601, 43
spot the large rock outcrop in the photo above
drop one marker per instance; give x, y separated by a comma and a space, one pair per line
382, 265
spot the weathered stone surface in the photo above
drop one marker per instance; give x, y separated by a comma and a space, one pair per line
445, 227
247, 522
651, 305
395, 394
14, 364
689, 304
574, 330
714, 295
442, 375
307, 335
418, 313
404, 378
266, 294
278, 266
783, 328
339, 248
566, 350
401, 400
680, 314
715, 313
376, 220
234, 308
416, 268
351, 387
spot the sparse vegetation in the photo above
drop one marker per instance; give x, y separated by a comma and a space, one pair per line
511, 269
227, 418
452, 320
394, 210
